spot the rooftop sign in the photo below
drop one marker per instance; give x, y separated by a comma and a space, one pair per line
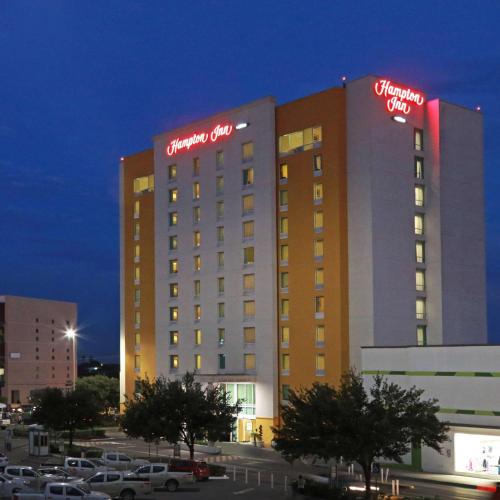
179, 145
398, 98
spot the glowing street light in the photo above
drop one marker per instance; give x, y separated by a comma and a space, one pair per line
70, 334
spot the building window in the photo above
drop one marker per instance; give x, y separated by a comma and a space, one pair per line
284, 308
300, 140
248, 227
283, 172
248, 177
222, 361
137, 320
219, 209
420, 309
248, 283
249, 309
247, 151
137, 341
249, 335
220, 235
420, 252
219, 184
196, 167
419, 196
197, 337
172, 219
419, 139
285, 336
197, 287
320, 364
137, 362
196, 215
137, 275
283, 254
248, 256
174, 337
249, 360
318, 249
421, 335
197, 262
284, 281
248, 203
137, 230
283, 227
137, 209
197, 312
220, 286
285, 392
318, 220
197, 361
172, 195
172, 172
221, 310
285, 364
174, 361
318, 192
221, 336
174, 313
220, 260
420, 280
173, 266
196, 190
419, 224
196, 239
319, 307
219, 159
174, 290
317, 165
319, 278
142, 184
283, 199
137, 253
419, 168
137, 296
320, 335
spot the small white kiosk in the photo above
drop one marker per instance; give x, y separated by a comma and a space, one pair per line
38, 440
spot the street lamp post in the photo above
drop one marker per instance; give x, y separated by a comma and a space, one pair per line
71, 334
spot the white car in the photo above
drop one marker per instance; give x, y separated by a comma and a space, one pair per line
61, 491
84, 467
161, 477
11, 485
120, 461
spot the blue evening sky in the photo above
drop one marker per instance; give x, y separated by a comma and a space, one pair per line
84, 82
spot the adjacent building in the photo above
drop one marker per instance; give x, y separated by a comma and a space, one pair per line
264, 246
35, 349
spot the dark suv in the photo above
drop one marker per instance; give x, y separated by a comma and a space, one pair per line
199, 469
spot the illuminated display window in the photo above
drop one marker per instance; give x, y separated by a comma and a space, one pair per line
301, 140
477, 453
144, 184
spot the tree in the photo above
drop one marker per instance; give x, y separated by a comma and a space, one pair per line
65, 411
179, 410
357, 425
106, 391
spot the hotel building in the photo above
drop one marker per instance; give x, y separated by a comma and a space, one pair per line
264, 246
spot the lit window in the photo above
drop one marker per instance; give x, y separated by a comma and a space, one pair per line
249, 308
219, 209
220, 234
284, 254
173, 266
248, 203
283, 227
220, 260
222, 361
285, 363
174, 361
319, 278
196, 167
197, 262
300, 140
196, 214
248, 229
137, 252
248, 255
318, 220
137, 295
283, 199
249, 360
137, 208
220, 286
320, 364
219, 159
142, 184
317, 165
196, 190
137, 230
197, 336
172, 172
137, 274
318, 248
249, 335
137, 340
419, 168
419, 139
247, 151
221, 335
174, 337
248, 176
320, 335
197, 287
137, 318
172, 219
419, 224
285, 392
420, 280
172, 195
419, 196
421, 335
284, 308
219, 184
137, 362
221, 310
420, 252
318, 192
285, 336
420, 308
196, 239
283, 171
197, 361
284, 281
197, 312
174, 313
174, 290
319, 305
248, 283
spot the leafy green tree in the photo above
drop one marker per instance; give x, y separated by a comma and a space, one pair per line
106, 391
357, 425
179, 410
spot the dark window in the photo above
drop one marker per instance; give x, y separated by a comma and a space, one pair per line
56, 490
158, 468
98, 478
113, 477
73, 492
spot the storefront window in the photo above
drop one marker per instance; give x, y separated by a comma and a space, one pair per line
477, 453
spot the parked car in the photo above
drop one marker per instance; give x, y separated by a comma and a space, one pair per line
57, 471
115, 484
160, 476
10, 485
34, 478
61, 491
120, 461
198, 469
83, 467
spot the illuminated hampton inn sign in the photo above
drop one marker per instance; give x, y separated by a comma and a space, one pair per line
178, 145
398, 98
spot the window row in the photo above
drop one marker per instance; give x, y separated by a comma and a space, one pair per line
248, 286
247, 233
318, 223
317, 168
319, 279
318, 251
248, 336
317, 196
319, 308
247, 179
319, 336
320, 364
248, 362
248, 312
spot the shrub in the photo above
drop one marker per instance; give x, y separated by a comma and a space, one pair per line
216, 470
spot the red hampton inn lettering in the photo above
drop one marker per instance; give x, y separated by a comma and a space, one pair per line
398, 98
177, 145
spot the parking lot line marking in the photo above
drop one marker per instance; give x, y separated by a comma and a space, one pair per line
241, 492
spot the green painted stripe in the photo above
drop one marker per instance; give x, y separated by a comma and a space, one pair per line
430, 374
461, 411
